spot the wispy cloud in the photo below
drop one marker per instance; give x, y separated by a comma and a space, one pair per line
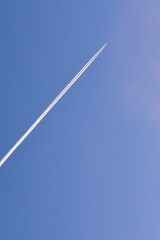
138, 56
143, 93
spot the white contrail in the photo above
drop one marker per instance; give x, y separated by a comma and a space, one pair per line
51, 106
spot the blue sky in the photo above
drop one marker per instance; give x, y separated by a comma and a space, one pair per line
90, 170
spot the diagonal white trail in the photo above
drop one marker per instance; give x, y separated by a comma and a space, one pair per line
50, 106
